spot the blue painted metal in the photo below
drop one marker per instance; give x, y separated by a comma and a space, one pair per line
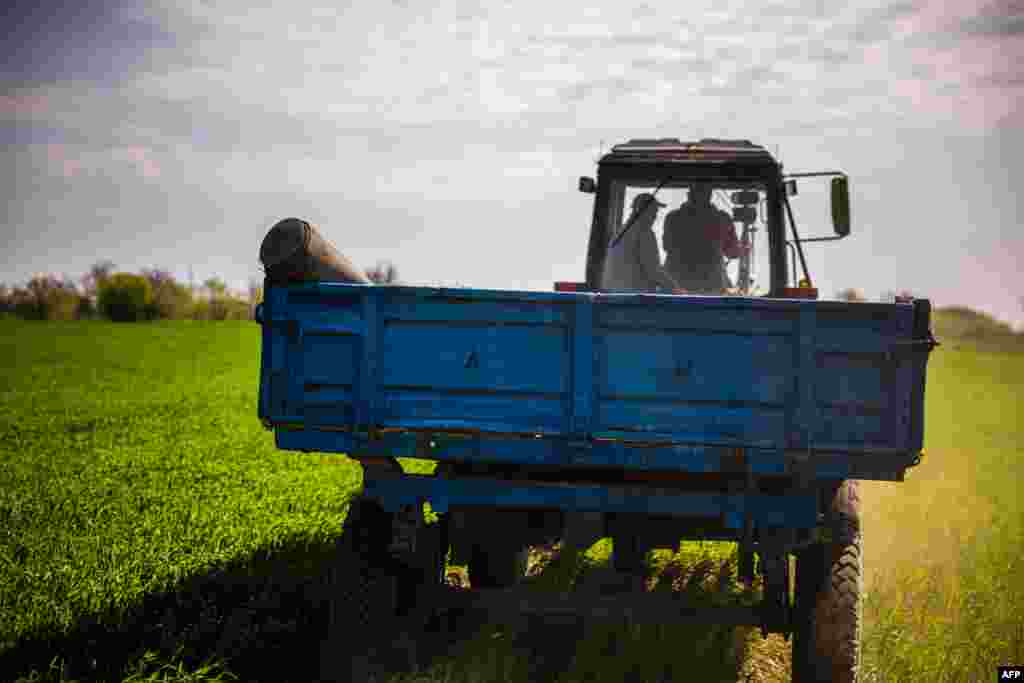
769, 375
794, 511
640, 382
584, 390
599, 453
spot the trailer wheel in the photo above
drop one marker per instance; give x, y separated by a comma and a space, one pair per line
374, 593
368, 532
363, 594
829, 580
497, 565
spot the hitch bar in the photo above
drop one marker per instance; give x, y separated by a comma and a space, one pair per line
631, 607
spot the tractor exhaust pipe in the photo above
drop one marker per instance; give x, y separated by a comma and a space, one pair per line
295, 250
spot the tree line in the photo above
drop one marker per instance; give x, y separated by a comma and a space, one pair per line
155, 294
152, 294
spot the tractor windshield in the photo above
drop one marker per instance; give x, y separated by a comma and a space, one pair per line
704, 237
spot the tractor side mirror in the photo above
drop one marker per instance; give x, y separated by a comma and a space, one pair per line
587, 185
745, 198
744, 214
790, 186
841, 206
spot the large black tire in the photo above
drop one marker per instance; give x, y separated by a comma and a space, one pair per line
497, 565
374, 582
829, 581
363, 594
372, 592
370, 533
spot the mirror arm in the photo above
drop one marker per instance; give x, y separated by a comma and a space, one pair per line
816, 174
830, 238
792, 253
796, 240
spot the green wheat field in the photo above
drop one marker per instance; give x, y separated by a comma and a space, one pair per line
150, 531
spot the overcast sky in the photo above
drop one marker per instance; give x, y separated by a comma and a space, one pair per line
448, 137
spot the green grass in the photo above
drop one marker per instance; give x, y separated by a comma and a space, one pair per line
148, 523
132, 465
972, 330
702, 574
946, 579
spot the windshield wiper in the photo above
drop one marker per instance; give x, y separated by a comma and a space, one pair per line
637, 214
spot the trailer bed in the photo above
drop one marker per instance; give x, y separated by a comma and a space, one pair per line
632, 381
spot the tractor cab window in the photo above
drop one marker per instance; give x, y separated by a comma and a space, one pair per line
705, 237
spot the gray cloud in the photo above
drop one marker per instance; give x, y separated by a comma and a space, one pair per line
645, 10
797, 8
469, 12
823, 53
896, 10
993, 25
580, 45
84, 41
107, 117
875, 27
612, 87
1003, 80
759, 73
27, 133
922, 71
674, 67
748, 81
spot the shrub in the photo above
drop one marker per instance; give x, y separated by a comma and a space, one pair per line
237, 309
45, 297
255, 297
200, 310
19, 302
86, 309
222, 307
218, 309
61, 304
170, 301
124, 297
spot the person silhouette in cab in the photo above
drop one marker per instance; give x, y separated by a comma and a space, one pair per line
634, 263
698, 237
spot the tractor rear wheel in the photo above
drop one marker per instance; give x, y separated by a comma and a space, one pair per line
829, 582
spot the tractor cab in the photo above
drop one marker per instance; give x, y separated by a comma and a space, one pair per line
706, 217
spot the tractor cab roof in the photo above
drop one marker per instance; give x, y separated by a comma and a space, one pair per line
673, 151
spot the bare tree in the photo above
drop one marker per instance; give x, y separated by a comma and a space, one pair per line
217, 304
384, 273
215, 285
157, 277
51, 296
97, 275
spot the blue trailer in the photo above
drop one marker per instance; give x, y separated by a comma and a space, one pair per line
631, 413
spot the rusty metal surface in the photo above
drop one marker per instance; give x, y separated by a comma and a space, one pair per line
295, 250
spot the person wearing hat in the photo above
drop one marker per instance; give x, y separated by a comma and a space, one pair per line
634, 263
698, 237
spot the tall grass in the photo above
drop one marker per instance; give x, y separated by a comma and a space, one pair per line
945, 576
